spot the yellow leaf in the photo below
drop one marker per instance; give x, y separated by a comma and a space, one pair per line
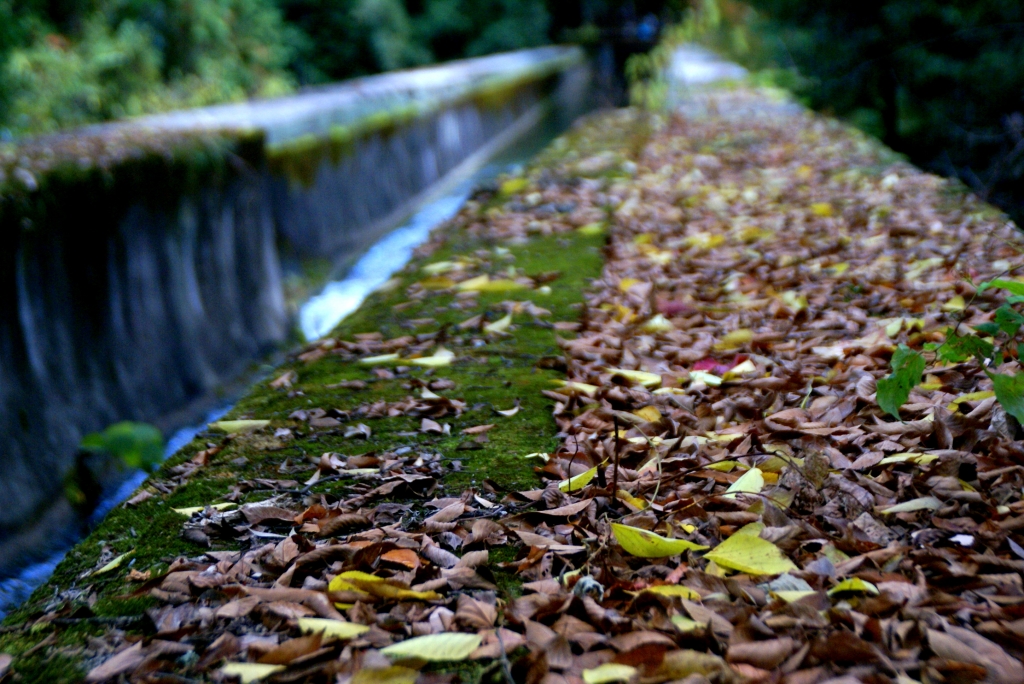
794, 301
437, 282
670, 390
705, 240
644, 544
725, 437
674, 590
634, 501
649, 413
377, 586
955, 303
513, 185
233, 427
922, 503
627, 283
439, 267
792, 596
734, 339
441, 357
640, 377
249, 672
474, 284
499, 326
822, 209
973, 396
746, 552
910, 457
685, 624
447, 646
192, 510
840, 268
578, 481
893, 329
707, 378
485, 284
579, 387
332, 629
624, 313
750, 482
753, 234
723, 466
396, 674
591, 229
775, 464
537, 454
656, 324
608, 673
374, 360
740, 369
114, 564
854, 585
661, 257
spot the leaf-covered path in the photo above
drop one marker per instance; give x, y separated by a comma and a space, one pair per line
724, 492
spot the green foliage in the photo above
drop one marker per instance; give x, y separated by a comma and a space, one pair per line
938, 81
894, 389
908, 365
135, 445
958, 348
1009, 391
1011, 286
116, 58
64, 64
1008, 320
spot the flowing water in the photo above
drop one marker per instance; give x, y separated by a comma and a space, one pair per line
318, 316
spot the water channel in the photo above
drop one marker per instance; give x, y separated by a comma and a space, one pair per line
316, 317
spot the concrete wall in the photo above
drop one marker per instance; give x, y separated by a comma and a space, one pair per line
130, 297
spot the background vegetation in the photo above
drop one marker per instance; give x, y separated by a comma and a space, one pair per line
68, 62
938, 80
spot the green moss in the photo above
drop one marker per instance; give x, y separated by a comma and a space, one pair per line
494, 376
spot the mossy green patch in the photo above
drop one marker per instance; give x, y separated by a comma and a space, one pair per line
490, 373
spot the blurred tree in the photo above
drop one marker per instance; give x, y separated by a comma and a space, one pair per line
68, 62
940, 80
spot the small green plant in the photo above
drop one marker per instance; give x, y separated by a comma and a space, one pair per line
989, 345
133, 445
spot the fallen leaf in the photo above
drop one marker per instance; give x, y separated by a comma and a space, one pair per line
499, 326
234, 427
444, 647
609, 672
192, 510
640, 377
331, 629
746, 552
577, 482
644, 544
114, 563
249, 672
750, 482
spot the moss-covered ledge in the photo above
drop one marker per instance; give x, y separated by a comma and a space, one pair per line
508, 252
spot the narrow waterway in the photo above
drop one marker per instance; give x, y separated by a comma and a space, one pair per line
318, 316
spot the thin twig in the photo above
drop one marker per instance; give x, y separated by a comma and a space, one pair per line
615, 472
571, 461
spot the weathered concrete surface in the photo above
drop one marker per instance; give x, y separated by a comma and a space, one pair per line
149, 285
